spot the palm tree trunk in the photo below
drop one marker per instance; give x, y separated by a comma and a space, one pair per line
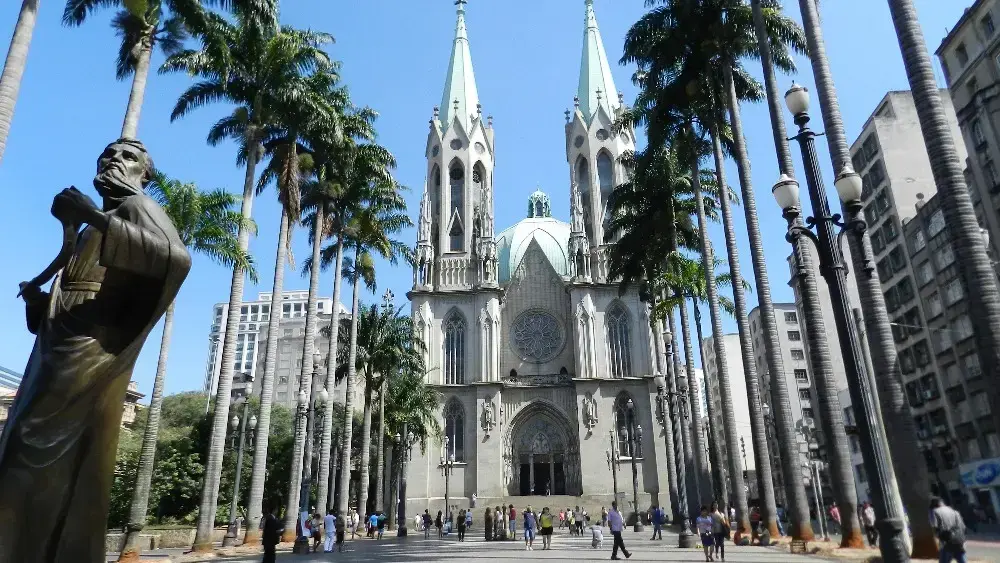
258, 474
352, 375
220, 417
130, 127
732, 438
692, 434
366, 444
669, 373
147, 455
762, 459
715, 445
970, 250
380, 462
913, 492
324, 499
714, 452
299, 459
795, 492
13, 68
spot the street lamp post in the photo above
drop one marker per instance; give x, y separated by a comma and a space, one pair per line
634, 434
307, 409
834, 270
809, 433
668, 405
240, 423
406, 454
613, 464
447, 466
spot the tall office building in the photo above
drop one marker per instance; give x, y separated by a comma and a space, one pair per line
252, 340
738, 390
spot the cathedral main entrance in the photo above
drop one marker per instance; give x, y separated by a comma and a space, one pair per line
542, 458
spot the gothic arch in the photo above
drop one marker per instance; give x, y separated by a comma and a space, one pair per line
541, 451
455, 329
618, 335
623, 420
606, 181
436, 205
456, 206
454, 428
582, 171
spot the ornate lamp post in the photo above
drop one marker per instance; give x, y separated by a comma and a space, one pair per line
669, 407
812, 466
634, 434
407, 455
613, 464
448, 467
834, 270
241, 424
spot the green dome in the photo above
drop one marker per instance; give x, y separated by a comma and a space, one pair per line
552, 236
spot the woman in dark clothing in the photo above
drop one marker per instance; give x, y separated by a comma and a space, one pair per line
439, 525
488, 519
270, 536
461, 525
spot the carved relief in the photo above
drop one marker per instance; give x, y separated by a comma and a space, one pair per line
488, 419
589, 412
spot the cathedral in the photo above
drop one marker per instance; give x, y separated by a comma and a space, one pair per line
543, 366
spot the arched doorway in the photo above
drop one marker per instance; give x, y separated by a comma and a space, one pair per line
542, 453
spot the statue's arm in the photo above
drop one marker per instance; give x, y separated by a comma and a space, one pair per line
36, 303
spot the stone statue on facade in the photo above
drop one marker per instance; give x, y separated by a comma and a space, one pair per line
579, 245
589, 412
57, 450
489, 417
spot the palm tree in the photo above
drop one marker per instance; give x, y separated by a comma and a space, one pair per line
253, 65
897, 421
141, 26
381, 214
207, 224
13, 67
795, 493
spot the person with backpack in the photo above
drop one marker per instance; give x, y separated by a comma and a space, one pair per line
427, 524
657, 519
950, 530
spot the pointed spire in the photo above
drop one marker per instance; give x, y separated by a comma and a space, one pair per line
460, 97
597, 86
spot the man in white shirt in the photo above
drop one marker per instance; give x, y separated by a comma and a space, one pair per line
617, 524
329, 527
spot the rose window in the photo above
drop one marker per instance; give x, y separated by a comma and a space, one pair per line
536, 336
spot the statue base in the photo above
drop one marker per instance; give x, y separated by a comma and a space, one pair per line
301, 545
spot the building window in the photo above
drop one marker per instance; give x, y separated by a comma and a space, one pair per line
944, 256
962, 327
889, 230
878, 243
583, 184
454, 429
624, 424
919, 242
990, 171
925, 273
794, 335
805, 394
802, 376
791, 317
953, 292
934, 306
870, 146
986, 24
454, 349
619, 351
807, 413
605, 177
972, 368
456, 230
935, 223
798, 354
978, 138
962, 54
972, 86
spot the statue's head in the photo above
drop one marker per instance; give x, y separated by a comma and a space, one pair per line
123, 169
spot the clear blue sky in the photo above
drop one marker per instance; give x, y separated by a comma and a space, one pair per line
526, 55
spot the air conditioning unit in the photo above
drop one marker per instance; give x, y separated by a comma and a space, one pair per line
928, 394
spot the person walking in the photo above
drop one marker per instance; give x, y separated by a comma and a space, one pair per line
270, 536
329, 530
950, 530
656, 517
545, 524
530, 525
704, 525
571, 517
439, 524
341, 527
617, 524
468, 519
461, 525
720, 529
868, 521
488, 523
562, 518
835, 516
512, 521
604, 516
355, 522
371, 524
428, 521
780, 510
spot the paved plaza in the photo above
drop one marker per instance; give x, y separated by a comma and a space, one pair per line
416, 549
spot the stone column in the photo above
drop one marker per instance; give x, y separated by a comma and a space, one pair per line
531, 474
552, 473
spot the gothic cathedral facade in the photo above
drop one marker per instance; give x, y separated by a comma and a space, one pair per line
543, 365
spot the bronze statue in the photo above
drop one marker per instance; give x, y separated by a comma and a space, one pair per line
57, 451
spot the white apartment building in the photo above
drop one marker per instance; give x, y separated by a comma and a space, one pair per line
738, 390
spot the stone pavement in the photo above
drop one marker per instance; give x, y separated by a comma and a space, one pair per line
415, 549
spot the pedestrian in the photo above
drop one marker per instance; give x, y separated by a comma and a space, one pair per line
371, 523
657, 520
704, 525
780, 510
617, 524
512, 521
572, 521
530, 525
380, 522
950, 530
835, 516
488, 523
329, 530
270, 536
755, 524
501, 523
461, 525
317, 535
545, 524
604, 516
562, 518
355, 522
340, 525
720, 530
468, 518
428, 521
596, 537
868, 521
582, 521
439, 524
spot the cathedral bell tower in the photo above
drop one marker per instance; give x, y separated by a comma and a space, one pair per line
592, 151
456, 250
